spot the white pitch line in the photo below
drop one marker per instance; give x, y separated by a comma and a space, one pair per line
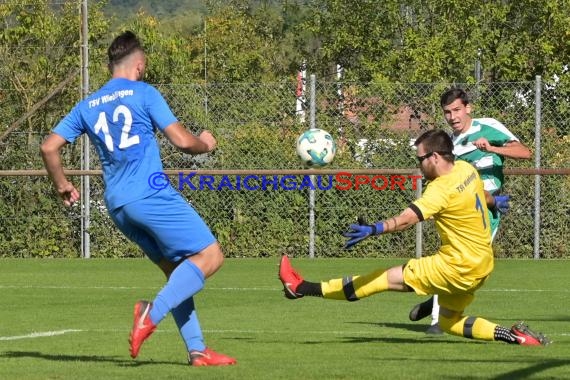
38, 334
244, 289
232, 331
525, 290
72, 287
124, 288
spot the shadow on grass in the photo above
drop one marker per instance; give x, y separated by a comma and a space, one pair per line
415, 327
422, 337
546, 318
439, 339
525, 373
84, 358
393, 340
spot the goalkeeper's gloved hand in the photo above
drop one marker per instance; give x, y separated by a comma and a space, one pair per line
502, 203
361, 231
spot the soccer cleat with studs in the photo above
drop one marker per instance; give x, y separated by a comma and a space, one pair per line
289, 278
142, 327
209, 357
421, 310
434, 329
526, 337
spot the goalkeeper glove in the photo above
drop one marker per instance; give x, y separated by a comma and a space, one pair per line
361, 231
502, 203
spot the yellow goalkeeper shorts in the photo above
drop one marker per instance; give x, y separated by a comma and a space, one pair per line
431, 275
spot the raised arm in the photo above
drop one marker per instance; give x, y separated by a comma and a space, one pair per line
512, 149
188, 143
362, 230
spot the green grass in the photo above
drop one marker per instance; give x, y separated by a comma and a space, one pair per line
244, 314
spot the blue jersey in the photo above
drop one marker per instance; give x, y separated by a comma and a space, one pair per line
121, 119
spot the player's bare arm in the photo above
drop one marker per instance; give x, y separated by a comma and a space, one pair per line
401, 222
489, 199
512, 149
184, 140
50, 150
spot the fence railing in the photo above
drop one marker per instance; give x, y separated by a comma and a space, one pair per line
257, 213
257, 126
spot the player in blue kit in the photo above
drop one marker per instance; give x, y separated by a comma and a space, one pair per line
121, 119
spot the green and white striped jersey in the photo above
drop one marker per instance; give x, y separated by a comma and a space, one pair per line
489, 165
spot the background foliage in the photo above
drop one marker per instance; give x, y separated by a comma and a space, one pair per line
230, 66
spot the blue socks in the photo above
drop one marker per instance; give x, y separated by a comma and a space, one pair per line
188, 325
185, 281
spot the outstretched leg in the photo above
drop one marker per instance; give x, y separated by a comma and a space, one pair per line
349, 288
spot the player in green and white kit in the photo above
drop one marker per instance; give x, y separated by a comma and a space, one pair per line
485, 143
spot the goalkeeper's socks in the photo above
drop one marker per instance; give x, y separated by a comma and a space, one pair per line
353, 288
185, 281
505, 335
310, 289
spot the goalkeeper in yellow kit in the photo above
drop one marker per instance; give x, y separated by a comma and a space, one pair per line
455, 199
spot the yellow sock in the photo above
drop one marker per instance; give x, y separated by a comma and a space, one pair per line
468, 327
353, 288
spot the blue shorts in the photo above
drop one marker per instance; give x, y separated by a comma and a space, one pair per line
164, 225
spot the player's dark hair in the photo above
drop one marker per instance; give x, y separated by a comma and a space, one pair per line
122, 46
436, 140
452, 94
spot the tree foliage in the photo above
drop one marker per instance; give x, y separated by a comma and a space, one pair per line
249, 41
426, 41
220, 54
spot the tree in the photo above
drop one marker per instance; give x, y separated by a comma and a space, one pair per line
426, 41
40, 47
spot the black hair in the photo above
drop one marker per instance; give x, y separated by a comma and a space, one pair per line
122, 46
452, 94
436, 140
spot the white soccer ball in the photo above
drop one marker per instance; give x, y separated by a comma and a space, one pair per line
316, 147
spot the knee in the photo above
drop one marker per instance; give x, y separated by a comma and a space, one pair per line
209, 260
448, 322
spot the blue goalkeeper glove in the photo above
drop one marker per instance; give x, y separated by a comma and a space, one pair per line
502, 203
361, 231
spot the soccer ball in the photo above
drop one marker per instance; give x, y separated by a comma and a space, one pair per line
316, 147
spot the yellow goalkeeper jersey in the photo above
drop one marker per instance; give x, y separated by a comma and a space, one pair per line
456, 201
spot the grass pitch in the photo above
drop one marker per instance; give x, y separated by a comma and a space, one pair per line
70, 319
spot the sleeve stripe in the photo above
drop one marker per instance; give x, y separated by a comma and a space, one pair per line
417, 211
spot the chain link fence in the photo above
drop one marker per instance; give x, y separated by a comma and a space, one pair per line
252, 192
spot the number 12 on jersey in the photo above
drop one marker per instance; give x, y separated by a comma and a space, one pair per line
126, 140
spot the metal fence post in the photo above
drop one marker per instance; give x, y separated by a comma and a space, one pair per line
312, 124
85, 164
537, 177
